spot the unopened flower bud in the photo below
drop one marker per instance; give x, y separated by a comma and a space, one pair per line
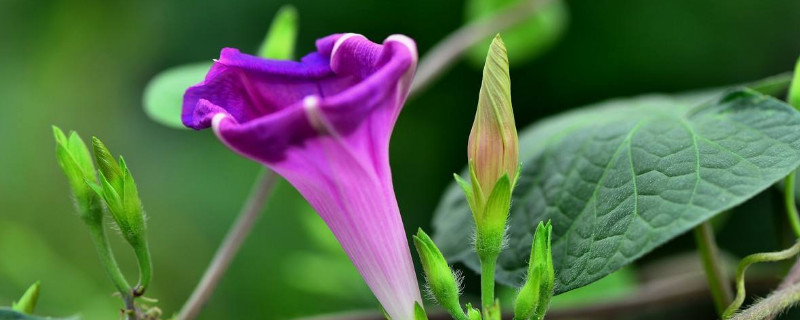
443, 283
27, 303
76, 163
493, 143
118, 190
534, 296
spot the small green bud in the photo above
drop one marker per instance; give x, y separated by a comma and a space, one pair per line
472, 313
419, 312
493, 143
794, 89
27, 303
443, 282
76, 163
118, 189
534, 296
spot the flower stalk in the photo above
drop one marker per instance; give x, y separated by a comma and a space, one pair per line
721, 291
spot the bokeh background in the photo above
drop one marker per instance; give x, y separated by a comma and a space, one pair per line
83, 65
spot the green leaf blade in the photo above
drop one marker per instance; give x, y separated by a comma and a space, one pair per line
527, 39
621, 178
163, 96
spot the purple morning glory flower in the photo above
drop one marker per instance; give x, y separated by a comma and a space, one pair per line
324, 124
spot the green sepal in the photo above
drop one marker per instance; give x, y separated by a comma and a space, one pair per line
419, 312
467, 188
27, 303
106, 163
490, 226
441, 280
472, 313
81, 154
477, 191
534, 297
794, 89
280, 40
112, 199
130, 197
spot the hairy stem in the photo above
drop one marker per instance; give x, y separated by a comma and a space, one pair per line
746, 262
446, 52
230, 246
709, 255
791, 207
109, 263
772, 305
487, 283
791, 278
107, 259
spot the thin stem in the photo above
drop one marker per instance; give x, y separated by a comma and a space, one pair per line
709, 255
108, 262
745, 263
145, 268
107, 259
446, 52
791, 207
772, 305
487, 283
230, 246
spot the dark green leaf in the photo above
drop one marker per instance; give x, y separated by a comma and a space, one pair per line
9, 314
622, 177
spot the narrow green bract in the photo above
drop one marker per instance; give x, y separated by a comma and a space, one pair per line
280, 40
794, 90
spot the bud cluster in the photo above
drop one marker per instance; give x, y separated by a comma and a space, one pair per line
493, 155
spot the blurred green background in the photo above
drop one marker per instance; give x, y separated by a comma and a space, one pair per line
83, 64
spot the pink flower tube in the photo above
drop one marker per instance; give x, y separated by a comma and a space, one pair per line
324, 124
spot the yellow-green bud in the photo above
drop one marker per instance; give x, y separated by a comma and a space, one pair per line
76, 163
493, 143
534, 296
443, 283
27, 303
